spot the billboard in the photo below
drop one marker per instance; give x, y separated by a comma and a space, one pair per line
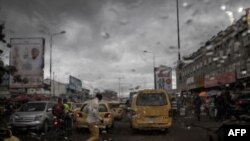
27, 55
75, 84
248, 17
163, 76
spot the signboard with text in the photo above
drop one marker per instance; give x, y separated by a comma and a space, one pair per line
75, 84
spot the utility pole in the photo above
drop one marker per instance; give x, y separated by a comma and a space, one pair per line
119, 86
51, 44
178, 31
53, 83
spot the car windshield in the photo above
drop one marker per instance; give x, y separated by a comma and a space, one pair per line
114, 105
151, 99
81, 50
103, 108
33, 107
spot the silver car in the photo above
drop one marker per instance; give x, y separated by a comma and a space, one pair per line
33, 115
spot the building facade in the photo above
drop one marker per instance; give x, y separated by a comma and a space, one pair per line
224, 61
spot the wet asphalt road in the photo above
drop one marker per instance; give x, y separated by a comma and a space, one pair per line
122, 132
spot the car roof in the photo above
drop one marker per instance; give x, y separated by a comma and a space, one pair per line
152, 91
41, 102
101, 102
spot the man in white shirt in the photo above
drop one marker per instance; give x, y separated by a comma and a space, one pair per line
93, 117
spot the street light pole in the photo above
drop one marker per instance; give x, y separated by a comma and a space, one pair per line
178, 30
145, 51
119, 87
51, 43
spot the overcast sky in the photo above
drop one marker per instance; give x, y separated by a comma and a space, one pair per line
105, 39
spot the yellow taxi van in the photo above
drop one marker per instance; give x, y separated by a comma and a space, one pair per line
151, 109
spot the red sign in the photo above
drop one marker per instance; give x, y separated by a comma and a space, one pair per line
220, 79
227, 77
210, 82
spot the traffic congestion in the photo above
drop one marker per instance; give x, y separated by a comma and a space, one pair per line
124, 70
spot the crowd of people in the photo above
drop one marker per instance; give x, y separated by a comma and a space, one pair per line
218, 107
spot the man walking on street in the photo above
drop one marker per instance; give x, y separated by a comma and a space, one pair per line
197, 105
174, 107
93, 117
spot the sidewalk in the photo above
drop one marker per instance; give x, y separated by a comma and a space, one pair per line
205, 121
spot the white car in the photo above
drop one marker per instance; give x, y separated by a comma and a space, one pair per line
33, 115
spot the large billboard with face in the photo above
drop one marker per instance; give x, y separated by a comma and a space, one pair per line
27, 55
248, 17
75, 84
163, 76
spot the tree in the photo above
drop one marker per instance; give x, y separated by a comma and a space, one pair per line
3, 68
2, 35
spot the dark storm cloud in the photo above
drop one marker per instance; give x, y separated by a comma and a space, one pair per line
105, 38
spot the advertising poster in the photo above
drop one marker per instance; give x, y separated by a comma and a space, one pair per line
163, 76
75, 84
27, 55
248, 17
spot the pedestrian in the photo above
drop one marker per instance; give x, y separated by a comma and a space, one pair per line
220, 106
93, 118
212, 107
197, 106
174, 107
66, 113
58, 109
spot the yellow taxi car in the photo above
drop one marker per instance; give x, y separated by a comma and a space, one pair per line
151, 109
6, 135
74, 108
116, 109
104, 112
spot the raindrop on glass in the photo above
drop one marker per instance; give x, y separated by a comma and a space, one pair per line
123, 22
223, 7
105, 35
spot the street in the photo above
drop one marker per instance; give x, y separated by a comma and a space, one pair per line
122, 132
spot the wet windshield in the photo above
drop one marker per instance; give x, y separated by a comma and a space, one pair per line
114, 105
154, 99
33, 107
109, 51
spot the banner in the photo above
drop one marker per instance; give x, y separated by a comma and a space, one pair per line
27, 55
163, 78
248, 17
75, 84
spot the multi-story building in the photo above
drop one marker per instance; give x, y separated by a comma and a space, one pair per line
224, 61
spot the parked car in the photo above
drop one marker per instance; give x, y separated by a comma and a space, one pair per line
104, 111
242, 101
6, 135
35, 115
151, 109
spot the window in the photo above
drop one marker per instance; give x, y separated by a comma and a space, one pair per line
33, 107
103, 108
154, 99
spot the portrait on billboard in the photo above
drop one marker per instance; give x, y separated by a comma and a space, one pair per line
163, 76
27, 55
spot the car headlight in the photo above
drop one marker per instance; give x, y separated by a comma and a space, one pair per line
38, 117
16, 116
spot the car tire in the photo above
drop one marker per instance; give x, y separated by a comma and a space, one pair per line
134, 131
113, 125
78, 130
45, 127
165, 131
